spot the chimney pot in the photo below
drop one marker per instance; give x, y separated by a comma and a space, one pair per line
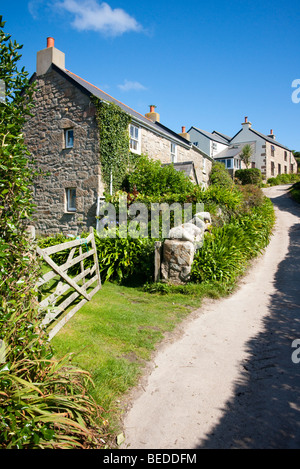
271, 132
183, 129
50, 42
246, 119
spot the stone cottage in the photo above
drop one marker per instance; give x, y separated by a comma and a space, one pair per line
63, 138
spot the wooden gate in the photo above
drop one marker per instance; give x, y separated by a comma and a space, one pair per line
67, 283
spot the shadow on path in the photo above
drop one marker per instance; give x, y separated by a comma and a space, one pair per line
265, 409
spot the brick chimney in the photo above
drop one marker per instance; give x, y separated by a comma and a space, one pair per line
184, 134
152, 115
46, 57
246, 124
271, 135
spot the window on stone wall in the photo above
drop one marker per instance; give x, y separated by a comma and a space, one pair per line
69, 138
285, 169
173, 152
135, 138
279, 168
71, 199
272, 168
272, 150
285, 156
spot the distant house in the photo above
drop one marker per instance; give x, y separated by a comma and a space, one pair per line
63, 138
211, 143
270, 156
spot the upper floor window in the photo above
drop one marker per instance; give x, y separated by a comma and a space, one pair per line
285, 156
173, 152
272, 150
69, 138
135, 138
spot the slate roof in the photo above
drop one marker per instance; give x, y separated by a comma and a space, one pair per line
214, 137
226, 137
232, 151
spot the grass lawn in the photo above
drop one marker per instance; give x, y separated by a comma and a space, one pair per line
114, 334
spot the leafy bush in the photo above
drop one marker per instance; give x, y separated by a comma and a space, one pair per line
220, 176
226, 251
283, 179
151, 178
126, 259
249, 176
295, 192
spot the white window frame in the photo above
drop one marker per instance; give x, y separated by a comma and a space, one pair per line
173, 150
69, 199
67, 138
135, 137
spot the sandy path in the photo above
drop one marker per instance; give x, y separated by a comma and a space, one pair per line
228, 381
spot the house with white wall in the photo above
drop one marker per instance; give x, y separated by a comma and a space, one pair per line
268, 155
211, 143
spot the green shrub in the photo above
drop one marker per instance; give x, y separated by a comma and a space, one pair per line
249, 176
151, 178
227, 250
220, 176
295, 192
283, 179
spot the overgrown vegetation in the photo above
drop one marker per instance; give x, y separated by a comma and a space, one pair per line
43, 402
115, 157
295, 192
283, 179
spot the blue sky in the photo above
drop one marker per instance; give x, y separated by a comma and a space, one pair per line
207, 64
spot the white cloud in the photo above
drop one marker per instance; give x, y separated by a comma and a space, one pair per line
131, 85
90, 15
34, 7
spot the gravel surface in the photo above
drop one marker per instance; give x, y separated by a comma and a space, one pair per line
225, 378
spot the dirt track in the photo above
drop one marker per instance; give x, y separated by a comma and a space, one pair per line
228, 381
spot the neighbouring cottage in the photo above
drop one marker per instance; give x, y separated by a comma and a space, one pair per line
270, 156
63, 138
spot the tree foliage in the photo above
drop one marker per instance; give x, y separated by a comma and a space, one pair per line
246, 154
